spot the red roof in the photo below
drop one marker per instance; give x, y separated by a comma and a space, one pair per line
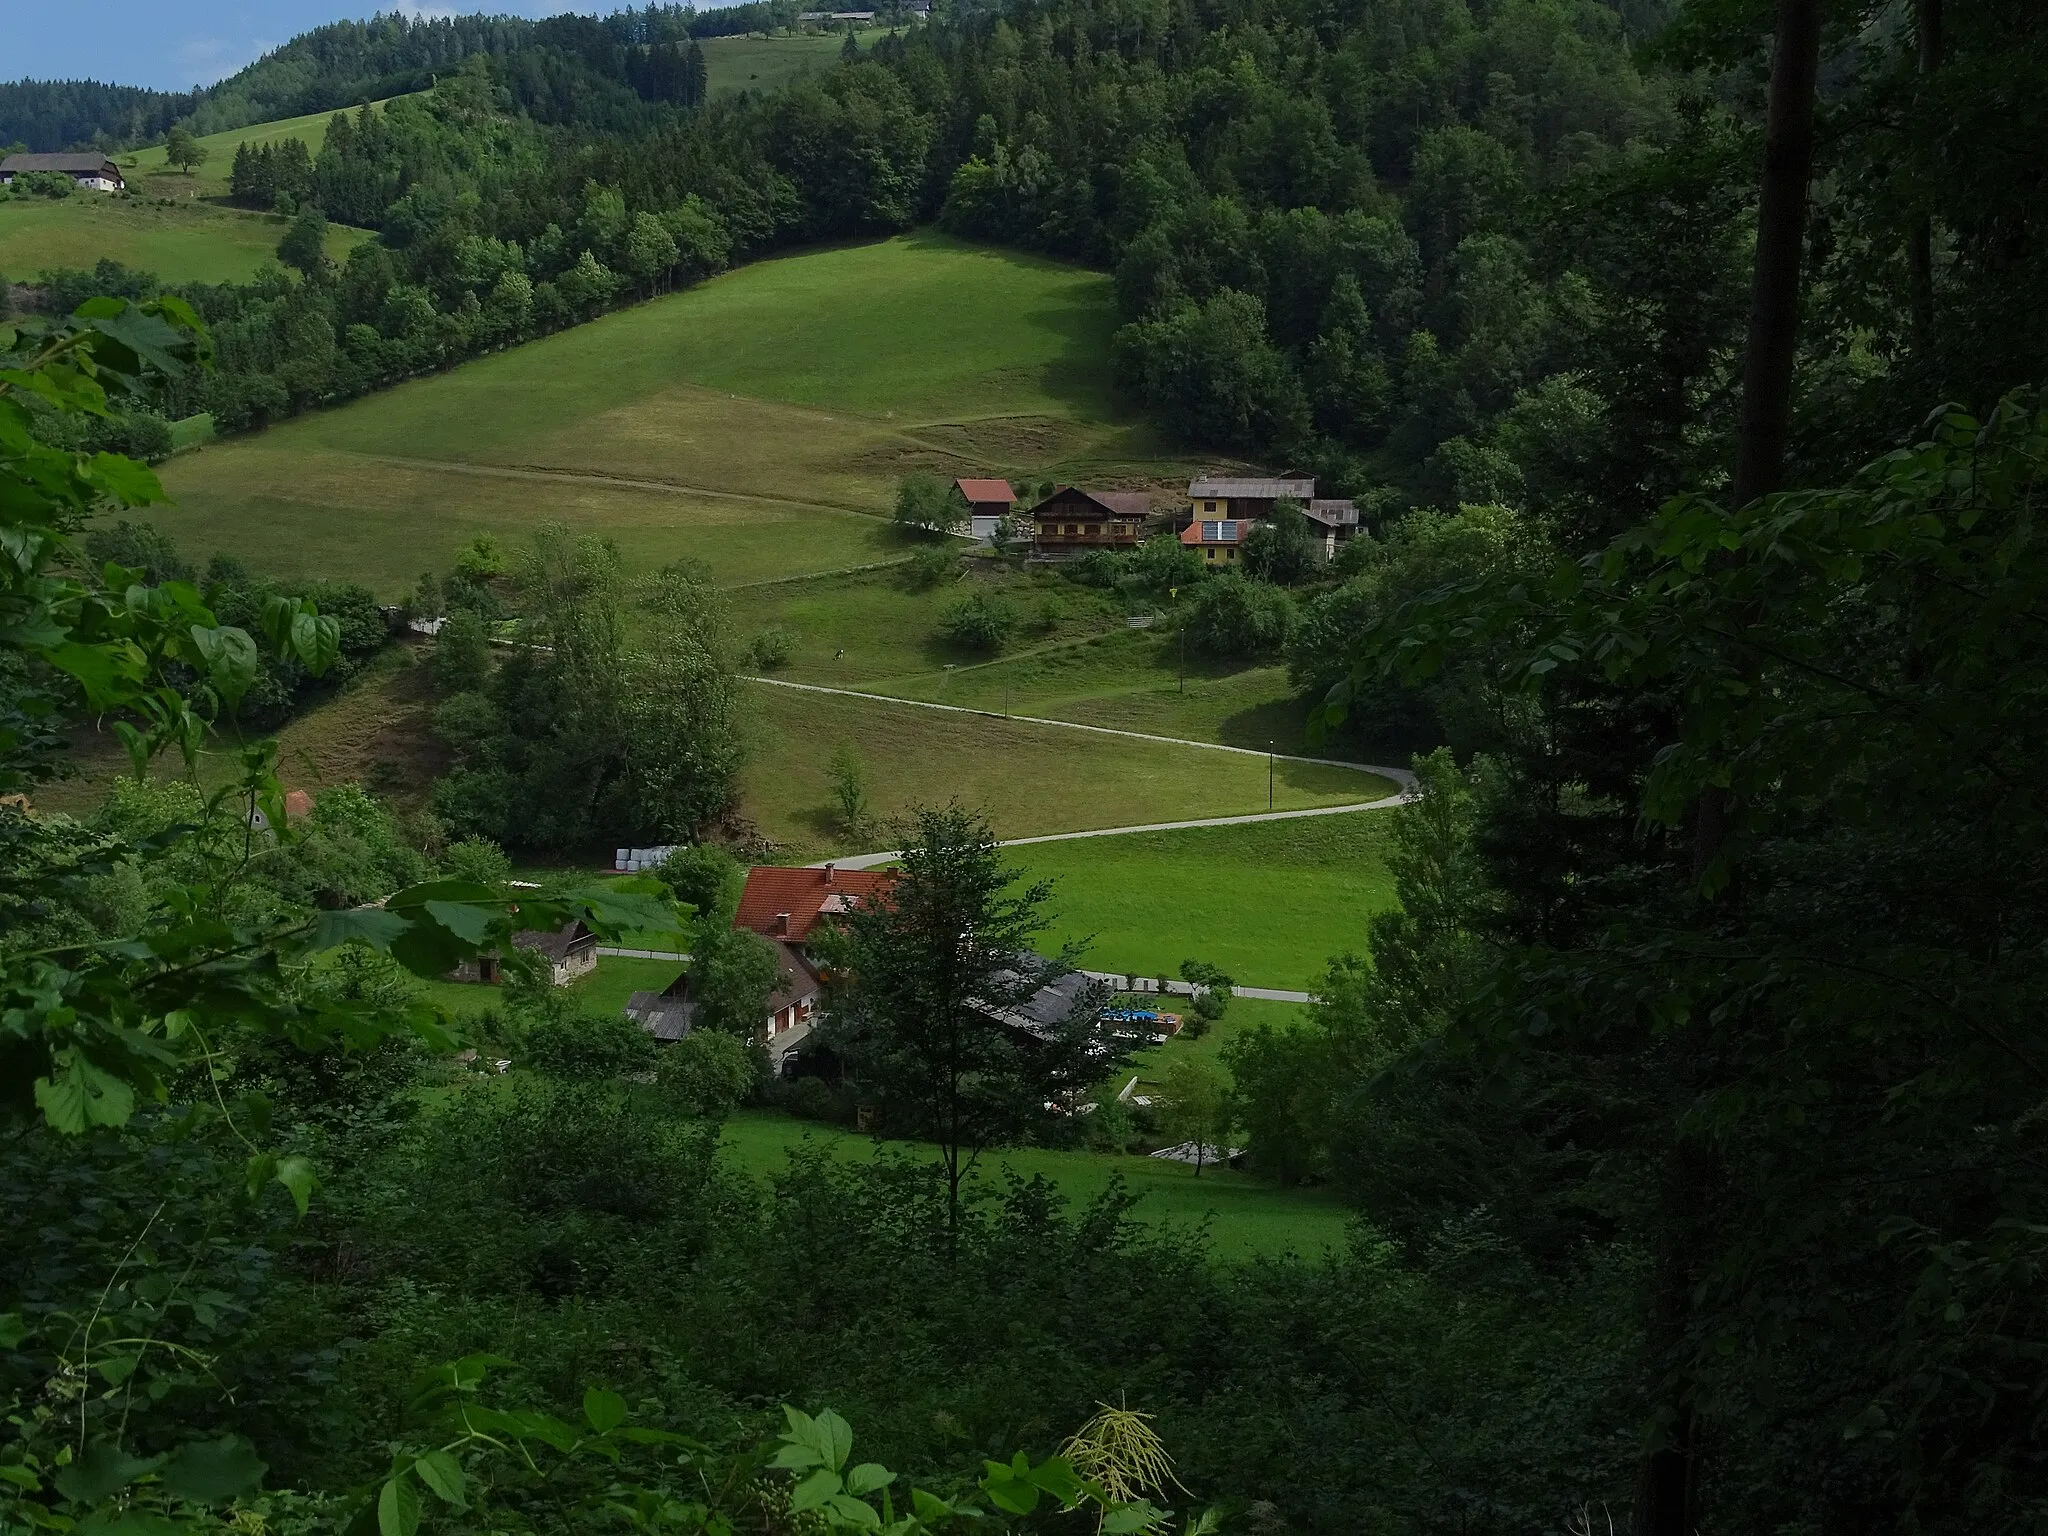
804, 894
987, 490
297, 803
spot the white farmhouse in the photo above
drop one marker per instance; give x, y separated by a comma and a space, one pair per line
92, 169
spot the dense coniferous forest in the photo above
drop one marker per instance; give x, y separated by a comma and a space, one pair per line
1688, 362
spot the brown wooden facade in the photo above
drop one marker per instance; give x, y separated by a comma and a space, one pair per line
1072, 520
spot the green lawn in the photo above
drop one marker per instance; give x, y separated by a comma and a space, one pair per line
1073, 658
1149, 1067
1270, 902
149, 169
1246, 1216
181, 243
764, 64
875, 633
748, 422
1027, 778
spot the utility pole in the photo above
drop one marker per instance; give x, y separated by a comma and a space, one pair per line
1269, 773
1173, 596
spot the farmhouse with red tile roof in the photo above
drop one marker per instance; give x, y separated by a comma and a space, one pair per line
787, 904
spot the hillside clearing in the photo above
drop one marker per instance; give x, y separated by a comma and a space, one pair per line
809, 382
149, 171
763, 64
182, 243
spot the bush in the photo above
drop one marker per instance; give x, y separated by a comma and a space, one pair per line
472, 727
45, 184
1051, 611
462, 655
1162, 563
811, 1098
588, 1047
1284, 549
932, 566
709, 879
1094, 568
732, 971
979, 622
1237, 619
707, 1073
138, 546
772, 648
478, 859
924, 504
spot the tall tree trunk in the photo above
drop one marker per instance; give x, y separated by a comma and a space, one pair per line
1920, 241
1780, 240
1667, 1487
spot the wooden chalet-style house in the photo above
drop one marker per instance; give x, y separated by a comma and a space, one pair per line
1072, 520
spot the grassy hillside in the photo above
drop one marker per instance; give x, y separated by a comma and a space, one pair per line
1028, 778
189, 242
748, 422
147, 171
760, 64
1074, 659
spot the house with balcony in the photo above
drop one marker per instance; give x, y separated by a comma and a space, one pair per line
1072, 521
1219, 541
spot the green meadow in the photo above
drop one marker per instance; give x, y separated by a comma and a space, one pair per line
1027, 778
1269, 902
764, 64
183, 242
758, 422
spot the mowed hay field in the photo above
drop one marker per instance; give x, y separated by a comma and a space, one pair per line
1028, 778
185, 243
758, 422
763, 64
1270, 902
874, 633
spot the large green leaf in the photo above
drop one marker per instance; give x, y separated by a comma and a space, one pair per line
398, 1507
443, 1473
605, 1410
104, 1470
213, 1471
78, 1094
